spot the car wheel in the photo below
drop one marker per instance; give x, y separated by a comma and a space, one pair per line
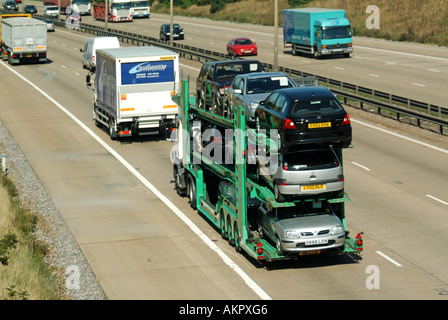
257, 123
201, 102
260, 231
278, 246
257, 172
278, 196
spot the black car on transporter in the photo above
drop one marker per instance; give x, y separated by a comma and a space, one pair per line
304, 116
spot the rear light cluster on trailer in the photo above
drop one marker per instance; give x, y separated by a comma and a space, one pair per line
359, 242
259, 250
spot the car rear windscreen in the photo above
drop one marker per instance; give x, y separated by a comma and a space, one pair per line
316, 106
310, 160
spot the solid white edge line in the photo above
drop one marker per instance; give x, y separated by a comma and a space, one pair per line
436, 199
249, 282
400, 136
361, 166
389, 258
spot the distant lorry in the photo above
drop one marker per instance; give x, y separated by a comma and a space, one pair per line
24, 39
140, 9
133, 90
6, 16
119, 11
318, 31
81, 6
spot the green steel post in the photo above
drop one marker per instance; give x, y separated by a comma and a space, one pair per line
241, 154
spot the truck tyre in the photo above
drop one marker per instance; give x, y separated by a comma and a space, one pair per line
236, 238
316, 54
112, 131
230, 239
177, 185
222, 224
192, 192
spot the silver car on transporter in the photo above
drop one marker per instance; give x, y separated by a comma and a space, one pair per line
249, 89
309, 227
308, 172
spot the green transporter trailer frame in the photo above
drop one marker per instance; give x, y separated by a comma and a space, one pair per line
194, 179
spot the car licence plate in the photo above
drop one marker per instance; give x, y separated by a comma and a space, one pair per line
319, 125
315, 241
29, 55
313, 187
304, 253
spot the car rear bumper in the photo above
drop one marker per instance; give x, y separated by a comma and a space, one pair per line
342, 137
310, 189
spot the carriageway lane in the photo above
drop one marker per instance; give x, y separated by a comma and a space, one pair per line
99, 231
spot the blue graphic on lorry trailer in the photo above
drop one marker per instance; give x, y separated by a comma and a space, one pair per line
147, 72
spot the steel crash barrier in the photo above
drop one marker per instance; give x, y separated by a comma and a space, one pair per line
398, 106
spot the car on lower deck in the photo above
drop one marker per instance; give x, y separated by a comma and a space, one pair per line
309, 227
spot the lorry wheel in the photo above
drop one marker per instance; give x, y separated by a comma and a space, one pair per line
112, 131
230, 239
181, 192
192, 193
223, 226
236, 238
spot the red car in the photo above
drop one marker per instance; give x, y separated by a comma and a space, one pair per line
241, 47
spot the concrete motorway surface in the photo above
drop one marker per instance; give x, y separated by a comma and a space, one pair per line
146, 243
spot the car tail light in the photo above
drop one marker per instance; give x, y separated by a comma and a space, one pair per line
346, 120
289, 124
285, 166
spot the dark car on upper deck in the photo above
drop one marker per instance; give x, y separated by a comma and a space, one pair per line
216, 76
303, 116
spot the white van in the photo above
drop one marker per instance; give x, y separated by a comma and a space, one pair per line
51, 11
93, 44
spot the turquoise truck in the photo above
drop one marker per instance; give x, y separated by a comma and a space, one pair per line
229, 194
317, 31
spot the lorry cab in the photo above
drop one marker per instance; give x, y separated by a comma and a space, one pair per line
333, 36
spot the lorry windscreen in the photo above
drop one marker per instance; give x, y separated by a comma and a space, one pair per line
336, 33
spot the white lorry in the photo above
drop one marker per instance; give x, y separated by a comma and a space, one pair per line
24, 39
133, 90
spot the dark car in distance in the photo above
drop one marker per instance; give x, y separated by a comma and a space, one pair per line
303, 116
30, 8
216, 76
10, 5
165, 33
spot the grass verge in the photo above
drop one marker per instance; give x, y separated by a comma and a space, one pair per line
24, 274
